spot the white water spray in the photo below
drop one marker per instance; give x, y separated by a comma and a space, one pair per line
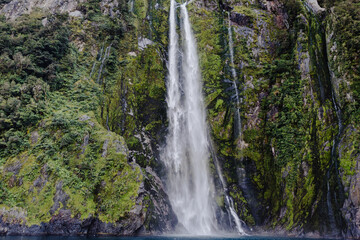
186, 154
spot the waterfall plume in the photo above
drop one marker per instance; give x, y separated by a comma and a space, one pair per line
186, 154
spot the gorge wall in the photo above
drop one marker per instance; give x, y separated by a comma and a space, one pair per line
83, 114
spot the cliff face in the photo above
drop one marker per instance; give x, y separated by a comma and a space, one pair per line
83, 114
15, 9
64, 168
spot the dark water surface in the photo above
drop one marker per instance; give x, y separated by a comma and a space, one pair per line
149, 238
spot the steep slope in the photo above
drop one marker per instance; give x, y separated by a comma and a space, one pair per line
81, 86
63, 170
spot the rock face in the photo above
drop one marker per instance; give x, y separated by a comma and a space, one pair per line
152, 214
351, 208
16, 8
315, 7
81, 128
117, 197
240, 19
351, 182
109, 7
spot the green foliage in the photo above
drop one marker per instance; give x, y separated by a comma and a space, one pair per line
53, 75
45, 91
346, 29
29, 63
61, 154
248, 11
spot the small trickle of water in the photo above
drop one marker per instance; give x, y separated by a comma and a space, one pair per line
234, 76
235, 216
229, 201
131, 6
239, 129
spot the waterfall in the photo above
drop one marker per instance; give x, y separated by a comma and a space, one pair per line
334, 162
131, 6
234, 76
186, 154
229, 202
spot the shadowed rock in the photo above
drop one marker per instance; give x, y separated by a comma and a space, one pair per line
240, 19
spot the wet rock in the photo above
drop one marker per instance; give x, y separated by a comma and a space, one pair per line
3, 231
121, 147
305, 168
85, 143
160, 216
240, 19
352, 212
14, 168
314, 6
76, 14
247, 33
64, 224
12, 181
84, 118
39, 183
105, 148
225, 6
281, 17
60, 197
34, 137
110, 7
144, 42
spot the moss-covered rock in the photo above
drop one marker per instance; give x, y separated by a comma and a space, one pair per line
83, 114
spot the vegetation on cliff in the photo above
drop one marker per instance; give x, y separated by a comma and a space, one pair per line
83, 112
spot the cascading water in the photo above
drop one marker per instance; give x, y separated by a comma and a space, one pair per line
228, 199
234, 75
186, 154
131, 6
229, 203
333, 168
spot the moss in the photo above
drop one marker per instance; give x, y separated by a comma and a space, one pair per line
118, 196
241, 206
81, 168
248, 11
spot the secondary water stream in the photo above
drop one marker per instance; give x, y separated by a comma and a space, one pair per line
234, 76
229, 202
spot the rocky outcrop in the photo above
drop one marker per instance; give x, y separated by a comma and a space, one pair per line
160, 217
351, 181
110, 7
152, 214
314, 6
351, 208
16, 8
240, 19
276, 171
